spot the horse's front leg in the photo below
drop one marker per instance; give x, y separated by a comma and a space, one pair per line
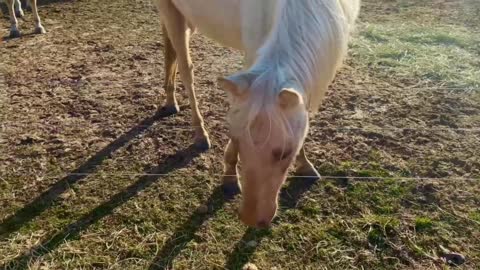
14, 32
305, 168
38, 23
230, 183
179, 35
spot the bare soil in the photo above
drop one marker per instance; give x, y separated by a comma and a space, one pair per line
84, 99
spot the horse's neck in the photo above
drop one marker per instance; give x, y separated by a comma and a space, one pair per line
257, 21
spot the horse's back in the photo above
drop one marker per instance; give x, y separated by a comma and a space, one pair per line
241, 24
217, 19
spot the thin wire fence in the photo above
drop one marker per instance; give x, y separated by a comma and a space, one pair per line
312, 127
219, 175
455, 89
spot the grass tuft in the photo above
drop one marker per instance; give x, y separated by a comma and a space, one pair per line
423, 224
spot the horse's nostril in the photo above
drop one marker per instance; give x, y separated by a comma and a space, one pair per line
263, 224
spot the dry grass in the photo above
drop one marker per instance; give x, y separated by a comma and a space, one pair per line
83, 99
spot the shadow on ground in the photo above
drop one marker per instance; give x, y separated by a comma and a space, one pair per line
48, 198
170, 164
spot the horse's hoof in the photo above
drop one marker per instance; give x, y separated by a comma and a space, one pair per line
230, 189
308, 173
40, 30
15, 34
170, 109
19, 13
202, 144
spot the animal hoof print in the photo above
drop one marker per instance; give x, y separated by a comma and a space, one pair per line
230, 191
202, 145
15, 34
40, 30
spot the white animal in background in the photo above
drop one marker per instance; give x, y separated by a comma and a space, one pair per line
15, 9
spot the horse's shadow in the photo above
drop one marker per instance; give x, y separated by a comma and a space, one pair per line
171, 163
48, 198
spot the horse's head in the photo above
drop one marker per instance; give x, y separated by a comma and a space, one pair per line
268, 127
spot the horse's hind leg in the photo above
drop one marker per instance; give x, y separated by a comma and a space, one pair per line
305, 168
38, 24
18, 8
14, 32
179, 35
230, 179
171, 105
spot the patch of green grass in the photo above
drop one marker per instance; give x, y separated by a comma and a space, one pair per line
475, 215
373, 36
380, 228
377, 238
382, 198
373, 173
423, 224
330, 169
311, 210
442, 54
438, 39
372, 169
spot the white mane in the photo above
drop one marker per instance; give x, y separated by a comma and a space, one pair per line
306, 44
304, 49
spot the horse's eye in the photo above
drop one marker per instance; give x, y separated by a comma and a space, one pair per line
280, 154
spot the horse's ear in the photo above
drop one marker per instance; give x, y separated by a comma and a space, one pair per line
236, 85
229, 86
289, 98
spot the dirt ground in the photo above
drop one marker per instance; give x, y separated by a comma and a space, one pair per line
91, 176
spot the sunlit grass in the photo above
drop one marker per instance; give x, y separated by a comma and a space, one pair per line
443, 55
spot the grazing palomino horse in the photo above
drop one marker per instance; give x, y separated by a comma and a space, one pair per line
15, 9
292, 51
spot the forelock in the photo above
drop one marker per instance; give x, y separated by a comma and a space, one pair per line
243, 121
